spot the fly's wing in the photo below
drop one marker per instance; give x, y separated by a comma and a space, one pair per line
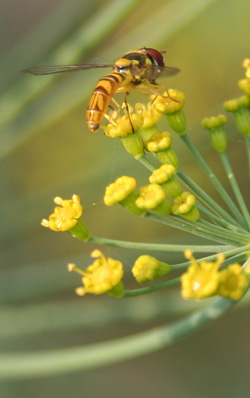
49, 70
152, 72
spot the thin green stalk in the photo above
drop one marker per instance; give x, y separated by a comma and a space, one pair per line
146, 162
23, 365
156, 246
214, 180
153, 288
189, 228
235, 186
211, 216
237, 236
206, 198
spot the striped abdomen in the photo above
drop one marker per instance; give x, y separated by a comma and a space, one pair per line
101, 97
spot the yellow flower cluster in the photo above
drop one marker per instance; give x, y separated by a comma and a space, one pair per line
204, 279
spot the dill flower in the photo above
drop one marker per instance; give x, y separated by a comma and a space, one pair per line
147, 268
164, 176
201, 279
233, 282
150, 117
152, 197
160, 144
127, 128
122, 191
185, 205
66, 218
240, 109
217, 133
171, 104
244, 84
103, 276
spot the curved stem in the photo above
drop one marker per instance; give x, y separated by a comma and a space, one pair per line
53, 362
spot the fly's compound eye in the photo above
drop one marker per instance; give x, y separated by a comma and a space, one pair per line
155, 56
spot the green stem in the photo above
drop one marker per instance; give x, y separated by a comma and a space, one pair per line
153, 288
236, 236
206, 198
189, 228
236, 189
25, 365
146, 162
218, 220
212, 177
156, 246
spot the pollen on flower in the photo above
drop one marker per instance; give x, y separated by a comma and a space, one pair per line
122, 126
185, 205
150, 197
119, 190
163, 174
159, 142
201, 279
233, 282
65, 215
170, 102
100, 277
150, 115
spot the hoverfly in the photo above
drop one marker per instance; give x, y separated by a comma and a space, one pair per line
137, 69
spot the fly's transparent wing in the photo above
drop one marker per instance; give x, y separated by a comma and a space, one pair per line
49, 70
152, 71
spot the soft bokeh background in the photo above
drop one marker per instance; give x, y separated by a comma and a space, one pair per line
46, 150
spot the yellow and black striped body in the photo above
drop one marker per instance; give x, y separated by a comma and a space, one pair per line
103, 94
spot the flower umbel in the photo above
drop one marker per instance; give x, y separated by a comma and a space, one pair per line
64, 217
103, 276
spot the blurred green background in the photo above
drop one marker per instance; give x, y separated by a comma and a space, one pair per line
47, 151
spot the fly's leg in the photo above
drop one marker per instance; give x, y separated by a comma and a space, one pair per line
128, 111
114, 113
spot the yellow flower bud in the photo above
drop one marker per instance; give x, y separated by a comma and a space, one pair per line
185, 205
148, 268
160, 144
152, 197
122, 191
170, 102
233, 282
164, 176
217, 133
241, 112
